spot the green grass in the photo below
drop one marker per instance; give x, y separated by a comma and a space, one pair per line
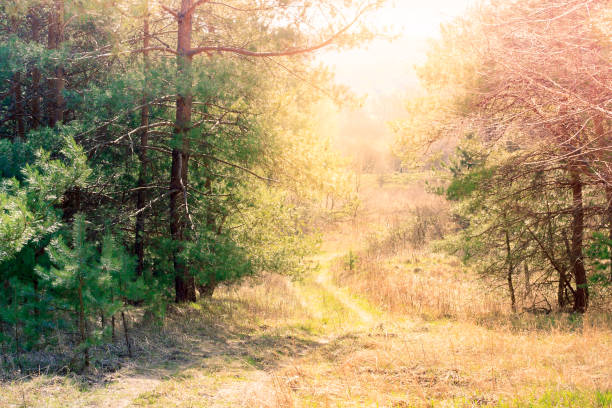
550, 399
563, 399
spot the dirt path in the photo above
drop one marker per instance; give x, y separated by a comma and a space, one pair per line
348, 301
263, 387
210, 361
247, 385
123, 391
279, 343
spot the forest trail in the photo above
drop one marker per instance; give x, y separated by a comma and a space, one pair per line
226, 377
279, 343
264, 387
124, 390
348, 301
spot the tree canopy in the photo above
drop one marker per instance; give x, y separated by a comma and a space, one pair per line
152, 151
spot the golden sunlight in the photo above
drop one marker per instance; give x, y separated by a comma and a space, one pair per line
386, 66
306, 203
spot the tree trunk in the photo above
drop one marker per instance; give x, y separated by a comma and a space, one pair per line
207, 289
184, 281
561, 298
581, 297
527, 280
35, 102
82, 323
113, 328
600, 133
55, 107
141, 195
557, 264
126, 334
35, 91
510, 272
71, 203
609, 214
19, 110
55, 101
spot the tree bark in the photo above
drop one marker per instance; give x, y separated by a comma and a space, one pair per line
510, 272
35, 91
126, 334
19, 110
598, 122
82, 323
609, 216
141, 195
581, 297
527, 280
184, 281
561, 298
208, 289
113, 328
55, 106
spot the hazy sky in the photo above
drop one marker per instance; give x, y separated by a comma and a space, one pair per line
384, 67
384, 71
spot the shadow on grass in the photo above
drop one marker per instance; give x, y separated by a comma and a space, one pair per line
209, 334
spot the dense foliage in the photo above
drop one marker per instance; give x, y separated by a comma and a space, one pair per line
142, 164
517, 103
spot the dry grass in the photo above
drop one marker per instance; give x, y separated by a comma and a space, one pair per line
444, 339
281, 344
402, 328
454, 364
200, 353
440, 343
430, 286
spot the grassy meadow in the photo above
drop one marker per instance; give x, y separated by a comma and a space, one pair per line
378, 323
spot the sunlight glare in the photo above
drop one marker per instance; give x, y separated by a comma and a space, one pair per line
386, 67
